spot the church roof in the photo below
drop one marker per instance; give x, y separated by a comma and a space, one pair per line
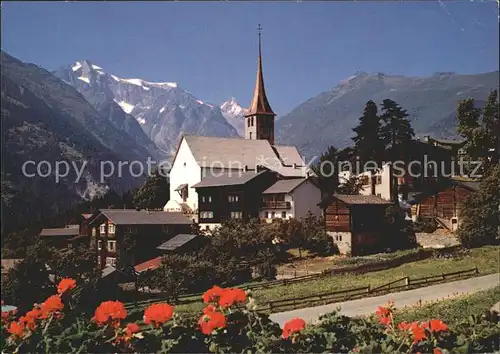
236, 153
259, 104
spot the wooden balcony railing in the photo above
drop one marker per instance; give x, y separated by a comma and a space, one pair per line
276, 205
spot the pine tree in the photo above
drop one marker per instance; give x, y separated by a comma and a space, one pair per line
368, 142
481, 129
397, 133
154, 193
327, 171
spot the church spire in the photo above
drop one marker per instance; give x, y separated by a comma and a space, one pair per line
259, 105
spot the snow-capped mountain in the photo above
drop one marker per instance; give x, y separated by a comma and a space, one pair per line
162, 110
234, 114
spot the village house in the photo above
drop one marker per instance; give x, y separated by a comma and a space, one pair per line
428, 162
125, 237
444, 202
180, 244
356, 223
201, 157
290, 198
68, 236
232, 195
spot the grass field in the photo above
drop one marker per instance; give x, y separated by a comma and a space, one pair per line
486, 259
454, 310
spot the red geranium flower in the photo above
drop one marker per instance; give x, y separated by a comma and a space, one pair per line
65, 285
404, 326
209, 309
385, 320
210, 321
112, 311
438, 326
437, 351
212, 294
231, 296
158, 314
51, 305
16, 329
418, 332
132, 328
293, 326
383, 311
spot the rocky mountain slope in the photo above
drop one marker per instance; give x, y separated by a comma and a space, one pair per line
162, 110
45, 119
234, 114
328, 118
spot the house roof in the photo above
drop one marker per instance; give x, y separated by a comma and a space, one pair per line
285, 186
176, 242
180, 187
361, 199
149, 264
144, 217
62, 231
236, 153
231, 178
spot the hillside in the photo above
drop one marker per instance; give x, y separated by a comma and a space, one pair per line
328, 118
44, 119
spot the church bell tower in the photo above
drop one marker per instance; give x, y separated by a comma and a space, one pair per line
259, 119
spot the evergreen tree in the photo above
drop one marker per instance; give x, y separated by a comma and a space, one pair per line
368, 142
397, 133
154, 193
326, 170
481, 214
481, 129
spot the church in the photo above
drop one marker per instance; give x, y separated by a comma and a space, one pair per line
209, 162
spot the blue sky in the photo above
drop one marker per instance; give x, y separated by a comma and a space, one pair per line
210, 48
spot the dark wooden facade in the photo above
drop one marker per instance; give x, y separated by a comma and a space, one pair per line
131, 244
446, 203
366, 224
233, 201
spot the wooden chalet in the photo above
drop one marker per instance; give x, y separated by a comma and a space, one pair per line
231, 195
356, 223
443, 202
70, 235
125, 237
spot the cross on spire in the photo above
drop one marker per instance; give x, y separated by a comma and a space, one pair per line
259, 29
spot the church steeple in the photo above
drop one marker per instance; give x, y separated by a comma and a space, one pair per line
259, 119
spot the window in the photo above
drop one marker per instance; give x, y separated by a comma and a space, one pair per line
267, 215
233, 198
236, 214
338, 237
203, 199
272, 214
99, 245
206, 214
248, 122
210, 199
283, 214
111, 261
206, 199
252, 121
111, 228
93, 231
379, 180
250, 135
103, 230
112, 246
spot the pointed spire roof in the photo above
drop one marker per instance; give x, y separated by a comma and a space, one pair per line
259, 104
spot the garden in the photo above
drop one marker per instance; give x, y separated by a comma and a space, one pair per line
230, 322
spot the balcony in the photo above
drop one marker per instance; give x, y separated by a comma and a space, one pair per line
275, 205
